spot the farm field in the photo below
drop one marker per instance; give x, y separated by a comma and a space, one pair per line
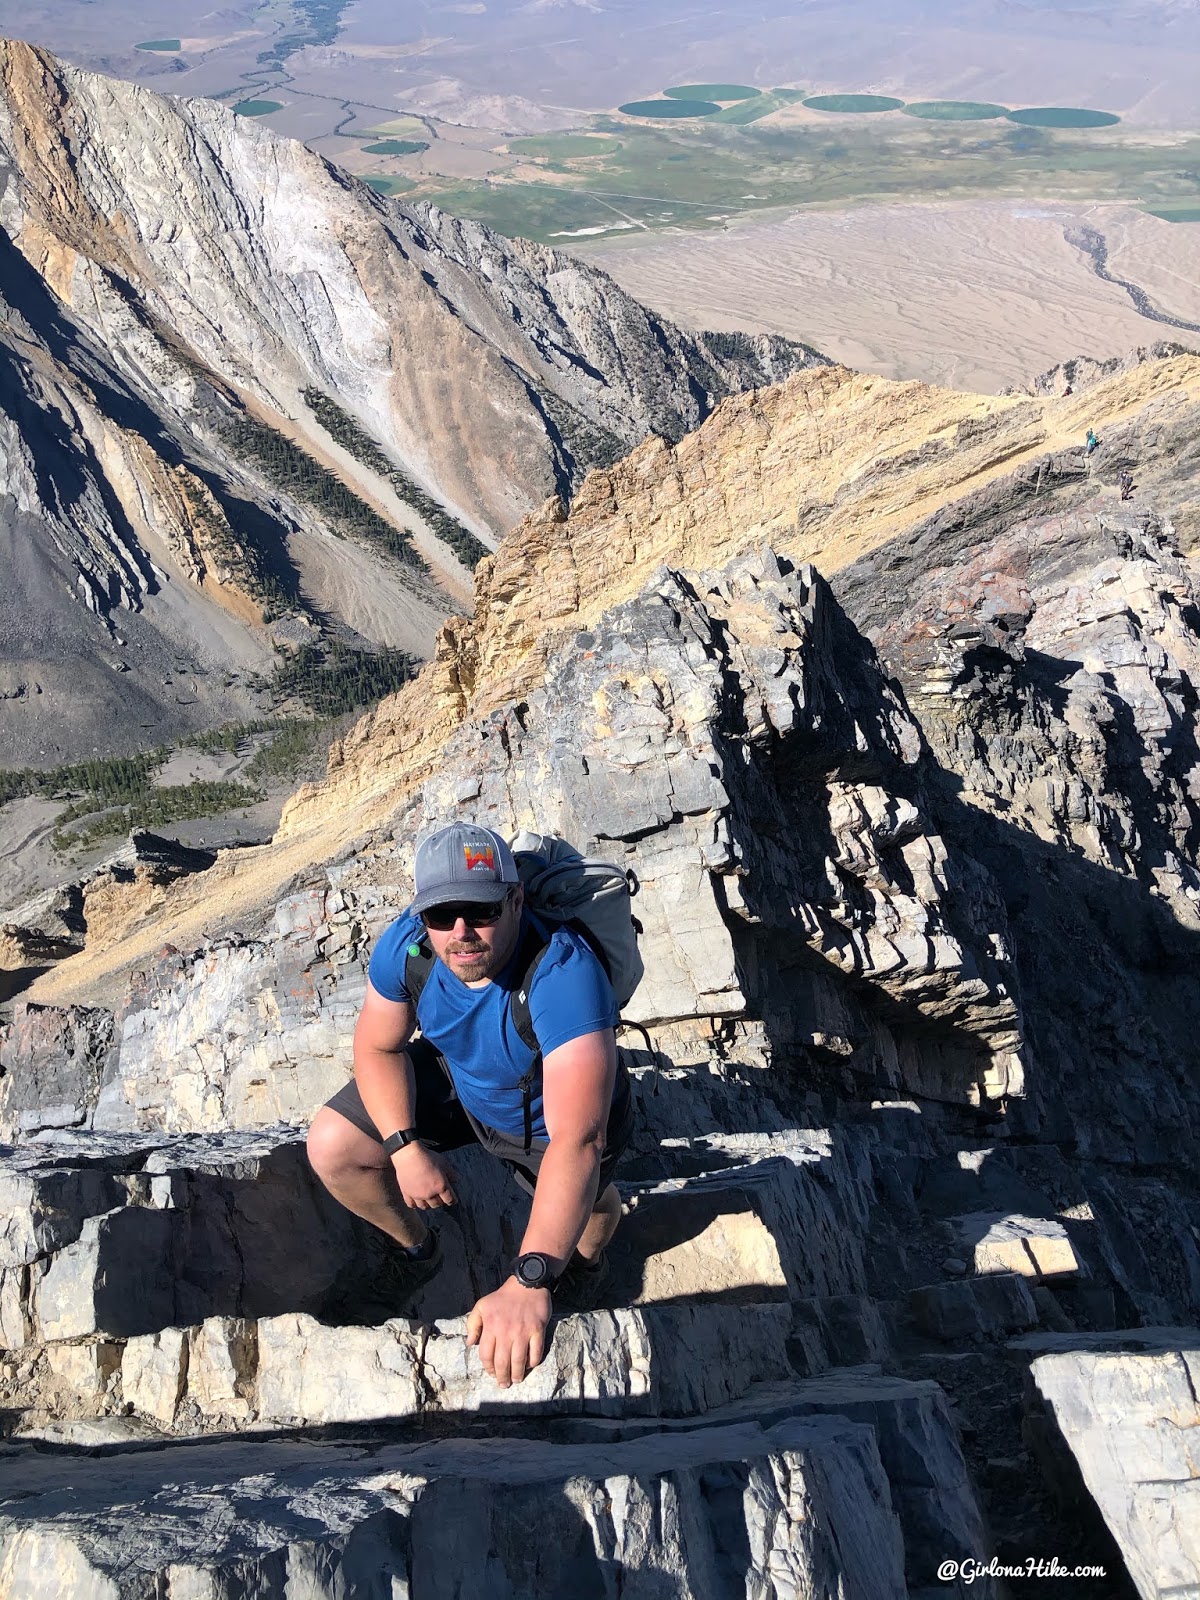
912, 216
621, 174
955, 110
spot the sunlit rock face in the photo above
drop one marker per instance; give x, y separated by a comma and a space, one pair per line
864, 1150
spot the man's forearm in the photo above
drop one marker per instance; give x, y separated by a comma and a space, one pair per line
563, 1200
388, 1087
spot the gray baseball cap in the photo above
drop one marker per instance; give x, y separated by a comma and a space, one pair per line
463, 862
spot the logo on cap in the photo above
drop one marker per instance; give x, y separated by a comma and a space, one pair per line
480, 857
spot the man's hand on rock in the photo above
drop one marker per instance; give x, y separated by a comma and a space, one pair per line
509, 1326
424, 1179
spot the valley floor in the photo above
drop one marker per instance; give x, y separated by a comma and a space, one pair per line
972, 296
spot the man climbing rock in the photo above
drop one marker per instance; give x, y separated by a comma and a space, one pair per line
1125, 483
1091, 443
558, 1117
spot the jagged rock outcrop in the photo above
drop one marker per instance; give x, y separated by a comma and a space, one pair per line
144, 1281
708, 724
828, 463
54, 924
1118, 1430
64, 1056
805, 1501
114, 625
861, 1139
1082, 372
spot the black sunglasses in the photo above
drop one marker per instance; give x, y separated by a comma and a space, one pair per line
442, 918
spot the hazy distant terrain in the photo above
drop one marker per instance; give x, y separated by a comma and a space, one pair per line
510, 64
508, 111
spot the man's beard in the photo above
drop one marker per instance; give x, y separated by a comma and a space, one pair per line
485, 967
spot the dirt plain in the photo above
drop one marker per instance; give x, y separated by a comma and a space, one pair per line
972, 296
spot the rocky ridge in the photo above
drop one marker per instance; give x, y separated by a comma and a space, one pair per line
890, 705
449, 345
107, 513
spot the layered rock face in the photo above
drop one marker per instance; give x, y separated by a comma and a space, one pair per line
1116, 1421
829, 465
889, 705
129, 604
915, 848
805, 1500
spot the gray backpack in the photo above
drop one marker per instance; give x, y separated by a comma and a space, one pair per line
591, 896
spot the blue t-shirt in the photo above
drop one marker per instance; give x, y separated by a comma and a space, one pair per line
473, 1028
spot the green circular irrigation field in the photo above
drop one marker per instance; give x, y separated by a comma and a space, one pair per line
389, 186
853, 102
396, 147
707, 99
669, 108
712, 91
1062, 117
256, 108
954, 110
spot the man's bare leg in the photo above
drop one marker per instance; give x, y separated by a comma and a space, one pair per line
601, 1225
354, 1169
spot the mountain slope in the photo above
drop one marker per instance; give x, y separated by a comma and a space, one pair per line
491, 371
248, 403
130, 609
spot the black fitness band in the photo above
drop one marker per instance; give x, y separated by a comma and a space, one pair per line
397, 1141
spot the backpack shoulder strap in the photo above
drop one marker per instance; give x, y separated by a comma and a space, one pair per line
533, 950
534, 946
418, 964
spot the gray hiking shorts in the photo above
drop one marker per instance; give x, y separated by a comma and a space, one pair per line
444, 1123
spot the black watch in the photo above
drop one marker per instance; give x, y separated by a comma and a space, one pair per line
534, 1271
397, 1141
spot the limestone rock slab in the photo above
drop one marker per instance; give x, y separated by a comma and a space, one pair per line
999, 1302
311, 1374
1131, 1421
154, 1373
127, 1233
116, 1278
801, 1507
1035, 1247
293, 1371
918, 1445
54, 1062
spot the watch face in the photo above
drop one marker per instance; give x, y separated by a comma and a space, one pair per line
533, 1270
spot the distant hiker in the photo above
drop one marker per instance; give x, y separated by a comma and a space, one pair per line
1125, 483
1068, 390
558, 1117
1092, 442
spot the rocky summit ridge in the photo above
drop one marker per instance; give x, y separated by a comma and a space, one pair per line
889, 703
